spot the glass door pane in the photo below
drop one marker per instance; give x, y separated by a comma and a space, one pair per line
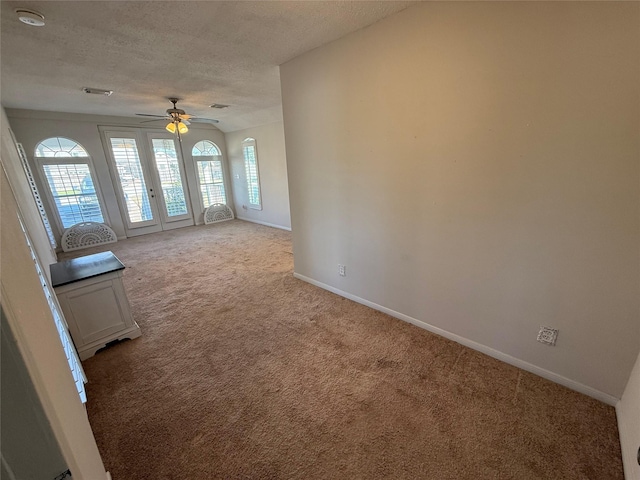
170, 179
132, 181
148, 173
137, 198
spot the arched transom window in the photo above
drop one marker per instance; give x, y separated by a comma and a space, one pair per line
66, 166
205, 148
60, 147
208, 160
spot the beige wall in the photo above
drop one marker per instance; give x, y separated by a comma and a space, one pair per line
628, 410
272, 164
475, 166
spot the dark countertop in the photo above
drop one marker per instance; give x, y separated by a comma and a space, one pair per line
81, 268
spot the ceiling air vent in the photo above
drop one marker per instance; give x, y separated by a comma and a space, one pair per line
97, 91
219, 105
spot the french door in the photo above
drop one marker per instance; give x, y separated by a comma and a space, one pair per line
148, 173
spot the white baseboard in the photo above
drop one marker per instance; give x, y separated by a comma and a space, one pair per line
263, 223
516, 362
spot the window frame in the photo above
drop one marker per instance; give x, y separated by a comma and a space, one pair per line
41, 162
251, 142
209, 158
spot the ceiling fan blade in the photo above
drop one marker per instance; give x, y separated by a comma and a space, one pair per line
148, 115
204, 120
154, 120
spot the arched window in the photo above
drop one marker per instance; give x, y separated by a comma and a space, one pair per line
208, 159
67, 169
250, 154
205, 148
60, 147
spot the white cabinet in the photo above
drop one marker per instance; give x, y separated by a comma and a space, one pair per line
95, 305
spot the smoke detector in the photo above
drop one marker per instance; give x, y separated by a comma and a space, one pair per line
30, 17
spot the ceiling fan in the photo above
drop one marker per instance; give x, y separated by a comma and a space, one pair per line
178, 118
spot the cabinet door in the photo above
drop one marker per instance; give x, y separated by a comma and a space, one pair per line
94, 312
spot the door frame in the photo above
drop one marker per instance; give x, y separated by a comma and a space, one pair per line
167, 222
143, 137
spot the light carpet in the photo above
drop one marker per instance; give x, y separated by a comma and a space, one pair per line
244, 372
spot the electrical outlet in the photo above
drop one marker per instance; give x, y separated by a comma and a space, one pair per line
342, 270
547, 335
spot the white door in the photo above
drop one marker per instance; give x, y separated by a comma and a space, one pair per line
170, 180
148, 173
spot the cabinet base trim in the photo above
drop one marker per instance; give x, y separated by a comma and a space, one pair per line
90, 350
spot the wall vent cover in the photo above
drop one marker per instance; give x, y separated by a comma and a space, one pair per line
218, 212
547, 335
87, 234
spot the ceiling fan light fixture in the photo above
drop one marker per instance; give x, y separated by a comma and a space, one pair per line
178, 119
177, 125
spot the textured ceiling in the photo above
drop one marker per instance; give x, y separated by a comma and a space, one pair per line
202, 52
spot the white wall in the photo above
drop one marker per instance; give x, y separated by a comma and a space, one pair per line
272, 163
475, 166
31, 127
628, 411
31, 322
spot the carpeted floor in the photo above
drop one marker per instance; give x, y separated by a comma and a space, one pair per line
243, 372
